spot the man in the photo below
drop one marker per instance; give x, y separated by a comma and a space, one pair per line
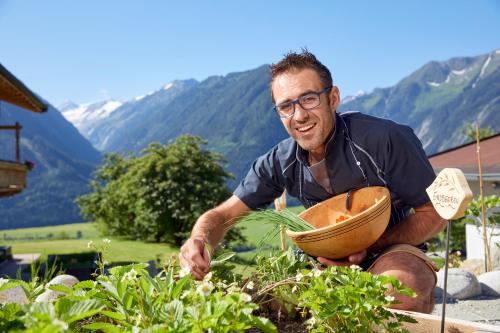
328, 154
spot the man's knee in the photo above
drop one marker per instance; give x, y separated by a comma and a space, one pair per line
413, 273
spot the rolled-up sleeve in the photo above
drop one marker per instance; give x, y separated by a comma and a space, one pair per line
262, 183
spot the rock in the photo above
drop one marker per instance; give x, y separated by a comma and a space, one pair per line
12, 295
475, 266
461, 284
438, 297
50, 295
490, 283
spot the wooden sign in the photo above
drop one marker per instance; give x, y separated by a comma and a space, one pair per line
450, 193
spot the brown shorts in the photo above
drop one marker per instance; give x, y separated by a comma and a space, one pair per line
407, 249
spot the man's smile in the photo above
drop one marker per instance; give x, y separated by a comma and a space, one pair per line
305, 128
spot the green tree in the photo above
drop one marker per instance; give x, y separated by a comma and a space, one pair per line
159, 195
469, 130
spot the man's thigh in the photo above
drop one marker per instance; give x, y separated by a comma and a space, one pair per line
414, 270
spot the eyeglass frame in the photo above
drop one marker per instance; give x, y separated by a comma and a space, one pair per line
297, 101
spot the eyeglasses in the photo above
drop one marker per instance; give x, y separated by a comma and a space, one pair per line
307, 102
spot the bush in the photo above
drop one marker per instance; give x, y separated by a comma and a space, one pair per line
472, 216
159, 195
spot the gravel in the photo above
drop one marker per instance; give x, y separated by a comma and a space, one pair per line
481, 309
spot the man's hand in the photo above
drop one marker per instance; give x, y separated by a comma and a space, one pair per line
194, 256
353, 259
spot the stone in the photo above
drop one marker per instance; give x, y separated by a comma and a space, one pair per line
490, 283
50, 295
12, 295
475, 266
461, 284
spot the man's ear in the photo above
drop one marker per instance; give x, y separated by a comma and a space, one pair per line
334, 97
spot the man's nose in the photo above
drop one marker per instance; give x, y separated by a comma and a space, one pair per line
300, 114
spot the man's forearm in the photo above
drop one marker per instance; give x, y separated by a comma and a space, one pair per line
415, 229
210, 227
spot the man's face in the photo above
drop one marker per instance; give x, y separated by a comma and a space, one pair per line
309, 128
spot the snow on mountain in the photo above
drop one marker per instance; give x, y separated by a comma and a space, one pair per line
85, 116
348, 99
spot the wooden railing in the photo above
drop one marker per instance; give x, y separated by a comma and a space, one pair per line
17, 127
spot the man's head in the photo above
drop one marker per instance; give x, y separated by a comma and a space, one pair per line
296, 76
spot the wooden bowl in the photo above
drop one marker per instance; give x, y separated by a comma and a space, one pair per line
368, 215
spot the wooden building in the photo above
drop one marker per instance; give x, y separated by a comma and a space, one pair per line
464, 157
13, 172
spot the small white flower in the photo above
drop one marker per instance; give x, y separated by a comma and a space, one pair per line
250, 285
299, 277
106, 241
389, 298
138, 318
294, 289
208, 277
60, 323
245, 297
184, 271
90, 244
130, 275
205, 288
316, 272
310, 322
355, 267
3, 281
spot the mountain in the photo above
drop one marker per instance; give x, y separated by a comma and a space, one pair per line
234, 112
438, 98
64, 161
86, 116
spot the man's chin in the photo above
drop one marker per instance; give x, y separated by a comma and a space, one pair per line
307, 145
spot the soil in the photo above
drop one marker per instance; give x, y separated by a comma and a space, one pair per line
277, 313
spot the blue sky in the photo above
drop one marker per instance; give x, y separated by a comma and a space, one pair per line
89, 50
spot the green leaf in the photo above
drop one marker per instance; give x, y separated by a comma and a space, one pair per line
105, 327
73, 310
264, 324
179, 286
61, 288
110, 289
114, 315
87, 284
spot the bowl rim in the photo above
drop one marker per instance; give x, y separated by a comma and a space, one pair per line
384, 201
329, 231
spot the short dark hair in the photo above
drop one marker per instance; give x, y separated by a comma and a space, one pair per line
298, 61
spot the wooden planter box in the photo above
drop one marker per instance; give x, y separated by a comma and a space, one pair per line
12, 178
431, 324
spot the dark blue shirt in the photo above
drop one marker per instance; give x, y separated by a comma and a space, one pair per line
362, 151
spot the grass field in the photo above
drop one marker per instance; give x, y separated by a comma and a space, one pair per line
120, 249
64, 241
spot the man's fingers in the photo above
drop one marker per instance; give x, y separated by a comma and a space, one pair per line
193, 256
357, 258
329, 262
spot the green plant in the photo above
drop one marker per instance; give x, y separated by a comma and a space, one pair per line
472, 216
336, 299
159, 195
342, 299
285, 218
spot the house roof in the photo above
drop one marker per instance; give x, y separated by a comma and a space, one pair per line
12, 90
464, 157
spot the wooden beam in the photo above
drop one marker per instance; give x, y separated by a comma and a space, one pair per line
430, 324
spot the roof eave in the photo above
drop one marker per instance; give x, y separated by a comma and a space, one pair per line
31, 101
